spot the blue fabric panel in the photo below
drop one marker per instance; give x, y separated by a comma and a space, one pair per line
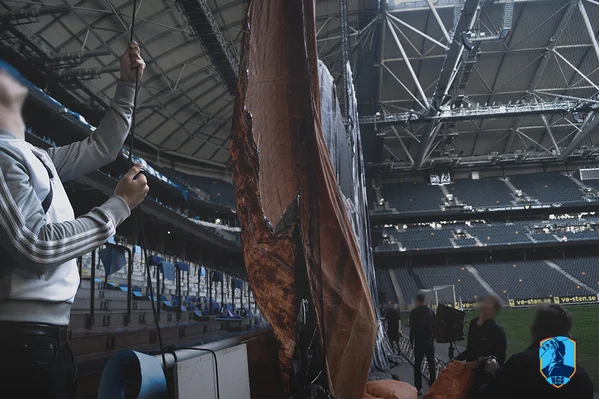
155, 260
217, 276
184, 267
168, 269
113, 259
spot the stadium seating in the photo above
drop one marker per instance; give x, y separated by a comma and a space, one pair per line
510, 280
520, 280
544, 188
424, 238
585, 269
408, 286
219, 191
548, 188
466, 286
500, 234
482, 193
413, 197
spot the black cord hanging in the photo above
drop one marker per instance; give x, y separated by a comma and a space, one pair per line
141, 219
132, 130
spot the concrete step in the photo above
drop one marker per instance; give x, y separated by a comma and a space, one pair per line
80, 319
111, 304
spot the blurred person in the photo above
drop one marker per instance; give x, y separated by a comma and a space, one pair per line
393, 321
422, 339
40, 237
521, 375
486, 339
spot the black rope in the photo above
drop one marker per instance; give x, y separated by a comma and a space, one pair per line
141, 219
132, 130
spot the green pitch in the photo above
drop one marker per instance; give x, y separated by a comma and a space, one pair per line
585, 330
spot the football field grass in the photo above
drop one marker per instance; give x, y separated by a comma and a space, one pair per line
585, 330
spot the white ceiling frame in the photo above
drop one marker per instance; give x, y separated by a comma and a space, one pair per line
409, 65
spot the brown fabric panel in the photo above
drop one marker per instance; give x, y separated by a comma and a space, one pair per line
261, 141
344, 285
278, 152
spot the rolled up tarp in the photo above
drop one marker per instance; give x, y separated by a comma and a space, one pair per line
131, 374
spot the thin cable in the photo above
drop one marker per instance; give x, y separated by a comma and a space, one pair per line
132, 138
152, 299
141, 219
173, 348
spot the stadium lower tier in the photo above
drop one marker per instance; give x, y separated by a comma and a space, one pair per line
518, 283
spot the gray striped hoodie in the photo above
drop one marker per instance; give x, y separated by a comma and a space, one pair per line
38, 270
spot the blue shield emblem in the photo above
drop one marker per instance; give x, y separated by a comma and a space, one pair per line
557, 359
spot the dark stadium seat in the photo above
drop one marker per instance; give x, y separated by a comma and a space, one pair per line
585, 269
407, 284
413, 197
520, 280
548, 188
482, 193
466, 286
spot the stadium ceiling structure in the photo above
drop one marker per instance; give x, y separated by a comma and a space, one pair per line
445, 82
486, 82
192, 50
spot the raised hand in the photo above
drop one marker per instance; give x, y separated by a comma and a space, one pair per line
131, 61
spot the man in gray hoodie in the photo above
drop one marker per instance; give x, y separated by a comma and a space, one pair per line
40, 237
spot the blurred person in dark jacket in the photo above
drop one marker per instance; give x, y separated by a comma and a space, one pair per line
521, 375
486, 338
422, 339
393, 321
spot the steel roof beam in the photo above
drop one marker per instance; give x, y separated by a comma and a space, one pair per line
438, 18
479, 112
33, 12
590, 125
421, 5
447, 75
203, 23
589, 27
380, 50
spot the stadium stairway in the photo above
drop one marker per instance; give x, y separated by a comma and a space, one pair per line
416, 278
481, 280
401, 298
569, 276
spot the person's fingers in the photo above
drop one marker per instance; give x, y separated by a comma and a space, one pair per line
134, 51
146, 190
127, 53
141, 180
137, 62
134, 171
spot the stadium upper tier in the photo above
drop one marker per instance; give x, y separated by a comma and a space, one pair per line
538, 190
460, 235
572, 280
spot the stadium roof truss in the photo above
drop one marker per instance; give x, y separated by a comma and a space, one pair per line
192, 50
458, 82
482, 82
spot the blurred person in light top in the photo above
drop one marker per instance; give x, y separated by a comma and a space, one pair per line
40, 237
